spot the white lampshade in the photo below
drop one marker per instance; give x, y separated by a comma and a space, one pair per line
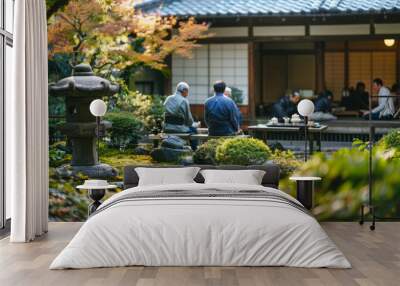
389, 42
305, 107
98, 107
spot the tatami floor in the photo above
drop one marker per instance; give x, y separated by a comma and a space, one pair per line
375, 257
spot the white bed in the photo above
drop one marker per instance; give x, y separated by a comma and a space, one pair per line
185, 230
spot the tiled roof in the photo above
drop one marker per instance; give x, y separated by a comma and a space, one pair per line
265, 7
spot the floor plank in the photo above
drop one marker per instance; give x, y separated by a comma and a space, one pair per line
375, 257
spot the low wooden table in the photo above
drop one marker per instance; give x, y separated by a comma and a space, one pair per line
314, 133
305, 190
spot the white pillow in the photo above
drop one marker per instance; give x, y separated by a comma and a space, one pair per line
248, 177
166, 176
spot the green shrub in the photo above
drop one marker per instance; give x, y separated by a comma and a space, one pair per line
147, 108
344, 185
242, 151
389, 145
286, 160
126, 129
59, 154
391, 140
205, 153
237, 95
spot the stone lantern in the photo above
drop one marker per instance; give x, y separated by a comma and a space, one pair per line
79, 91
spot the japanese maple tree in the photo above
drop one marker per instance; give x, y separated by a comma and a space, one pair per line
112, 35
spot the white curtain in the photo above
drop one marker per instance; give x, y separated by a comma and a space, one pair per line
26, 124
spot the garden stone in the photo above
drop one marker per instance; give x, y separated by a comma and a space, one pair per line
141, 151
99, 171
173, 142
164, 154
64, 171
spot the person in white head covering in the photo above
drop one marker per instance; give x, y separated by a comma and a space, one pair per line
177, 117
228, 93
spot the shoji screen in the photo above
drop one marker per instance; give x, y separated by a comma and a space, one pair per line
360, 69
194, 71
228, 62
365, 66
301, 71
334, 73
384, 67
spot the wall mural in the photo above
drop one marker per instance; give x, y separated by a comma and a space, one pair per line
129, 132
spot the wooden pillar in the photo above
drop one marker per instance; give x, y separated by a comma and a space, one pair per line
252, 79
258, 75
397, 61
346, 65
320, 66
252, 72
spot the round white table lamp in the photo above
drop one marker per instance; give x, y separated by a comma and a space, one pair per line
98, 108
305, 108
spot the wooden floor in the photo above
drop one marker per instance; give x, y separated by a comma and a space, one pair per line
375, 257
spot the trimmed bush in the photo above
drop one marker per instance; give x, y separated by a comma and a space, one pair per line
286, 160
205, 153
126, 129
242, 151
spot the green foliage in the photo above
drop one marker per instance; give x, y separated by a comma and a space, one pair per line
205, 153
66, 203
120, 158
360, 145
58, 154
242, 151
237, 95
55, 133
392, 139
390, 144
126, 129
286, 160
147, 108
344, 183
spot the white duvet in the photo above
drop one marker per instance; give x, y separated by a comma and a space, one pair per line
200, 231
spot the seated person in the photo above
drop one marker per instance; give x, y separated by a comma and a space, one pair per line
220, 114
323, 107
286, 106
359, 98
385, 109
228, 93
324, 103
178, 118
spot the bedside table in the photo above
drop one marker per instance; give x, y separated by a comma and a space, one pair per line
96, 191
305, 190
